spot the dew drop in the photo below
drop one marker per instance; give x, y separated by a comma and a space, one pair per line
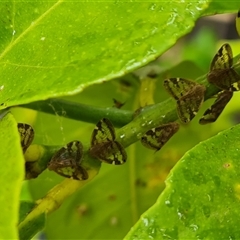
150, 122
139, 135
167, 202
209, 197
145, 222
180, 215
122, 136
194, 227
152, 7
134, 130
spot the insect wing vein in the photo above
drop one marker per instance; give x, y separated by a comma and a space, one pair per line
212, 113
157, 137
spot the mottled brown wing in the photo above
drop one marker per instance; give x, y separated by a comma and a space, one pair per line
212, 113
189, 105
223, 58
26, 135
66, 161
222, 74
157, 137
103, 132
103, 144
178, 87
111, 152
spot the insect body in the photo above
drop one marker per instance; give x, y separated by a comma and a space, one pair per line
212, 113
104, 146
222, 73
67, 161
188, 94
26, 134
157, 137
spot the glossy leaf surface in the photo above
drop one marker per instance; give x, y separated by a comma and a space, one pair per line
56, 48
201, 198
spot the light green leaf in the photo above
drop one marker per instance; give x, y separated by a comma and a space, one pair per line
11, 176
56, 48
202, 196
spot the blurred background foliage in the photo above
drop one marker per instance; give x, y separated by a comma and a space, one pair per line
116, 198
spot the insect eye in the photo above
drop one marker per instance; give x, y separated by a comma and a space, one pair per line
26, 134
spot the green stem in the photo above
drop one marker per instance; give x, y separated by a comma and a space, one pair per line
134, 127
118, 117
54, 198
82, 112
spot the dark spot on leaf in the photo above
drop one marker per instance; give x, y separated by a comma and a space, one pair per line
82, 209
140, 183
112, 197
226, 165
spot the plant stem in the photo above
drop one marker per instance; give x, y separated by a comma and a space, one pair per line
118, 117
54, 199
82, 112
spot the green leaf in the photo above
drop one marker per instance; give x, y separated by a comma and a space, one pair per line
11, 176
32, 227
58, 48
222, 7
202, 196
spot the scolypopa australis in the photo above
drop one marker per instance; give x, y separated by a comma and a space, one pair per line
103, 144
26, 135
189, 96
222, 74
117, 104
212, 113
157, 137
67, 161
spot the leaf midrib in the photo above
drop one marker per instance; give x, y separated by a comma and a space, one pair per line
31, 26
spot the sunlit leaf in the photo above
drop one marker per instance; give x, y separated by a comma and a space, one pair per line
58, 48
202, 196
